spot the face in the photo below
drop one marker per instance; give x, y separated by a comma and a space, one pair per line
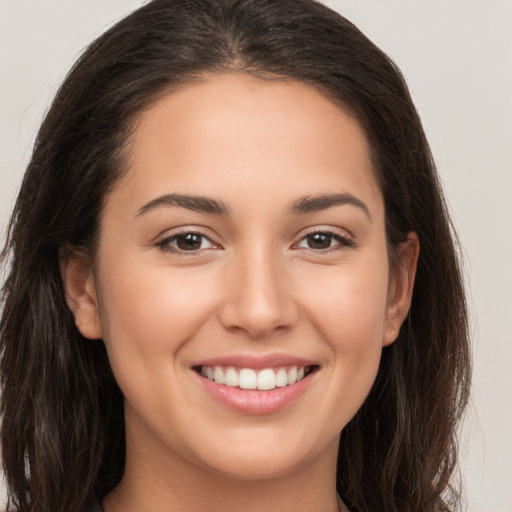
242, 283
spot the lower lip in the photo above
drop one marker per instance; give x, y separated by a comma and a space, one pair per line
253, 401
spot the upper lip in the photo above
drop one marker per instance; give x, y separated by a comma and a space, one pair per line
255, 361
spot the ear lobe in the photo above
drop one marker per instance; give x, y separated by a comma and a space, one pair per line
401, 284
80, 289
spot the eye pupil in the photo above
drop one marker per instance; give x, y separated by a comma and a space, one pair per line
319, 241
189, 242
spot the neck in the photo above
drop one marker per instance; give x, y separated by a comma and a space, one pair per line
157, 479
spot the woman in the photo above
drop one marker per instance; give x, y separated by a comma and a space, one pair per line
213, 254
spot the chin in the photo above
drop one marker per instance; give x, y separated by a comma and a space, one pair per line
262, 457
251, 468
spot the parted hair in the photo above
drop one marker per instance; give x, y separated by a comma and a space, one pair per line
62, 429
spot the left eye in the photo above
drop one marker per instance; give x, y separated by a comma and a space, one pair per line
321, 240
187, 242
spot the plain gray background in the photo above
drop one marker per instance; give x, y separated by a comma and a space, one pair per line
457, 58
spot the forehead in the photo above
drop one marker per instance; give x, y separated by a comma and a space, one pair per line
234, 133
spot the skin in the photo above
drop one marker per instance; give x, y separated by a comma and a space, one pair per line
254, 286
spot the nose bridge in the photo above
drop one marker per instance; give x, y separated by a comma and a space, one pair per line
258, 293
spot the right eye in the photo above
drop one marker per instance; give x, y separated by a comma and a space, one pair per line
186, 242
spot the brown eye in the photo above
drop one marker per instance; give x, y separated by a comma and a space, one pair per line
186, 242
319, 240
323, 240
189, 242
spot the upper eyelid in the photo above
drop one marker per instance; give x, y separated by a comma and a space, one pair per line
339, 232
183, 230
176, 235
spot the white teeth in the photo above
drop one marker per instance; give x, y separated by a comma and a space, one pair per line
281, 378
247, 378
266, 380
231, 378
218, 375
292, 375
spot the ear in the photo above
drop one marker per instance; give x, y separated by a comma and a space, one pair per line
401, 283
80, 289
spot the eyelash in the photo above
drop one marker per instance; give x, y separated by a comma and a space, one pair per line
164, 244
343, 242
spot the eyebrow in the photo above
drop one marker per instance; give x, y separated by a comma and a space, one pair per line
305, 204
312, 203
195, 203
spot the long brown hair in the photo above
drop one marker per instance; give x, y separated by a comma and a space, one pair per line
62, 412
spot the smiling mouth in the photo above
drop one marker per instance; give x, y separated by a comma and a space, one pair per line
264, 379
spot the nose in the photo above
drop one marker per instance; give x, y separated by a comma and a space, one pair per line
258, 296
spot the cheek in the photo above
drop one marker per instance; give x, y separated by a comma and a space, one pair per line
348, 306
348, 309
149, 313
